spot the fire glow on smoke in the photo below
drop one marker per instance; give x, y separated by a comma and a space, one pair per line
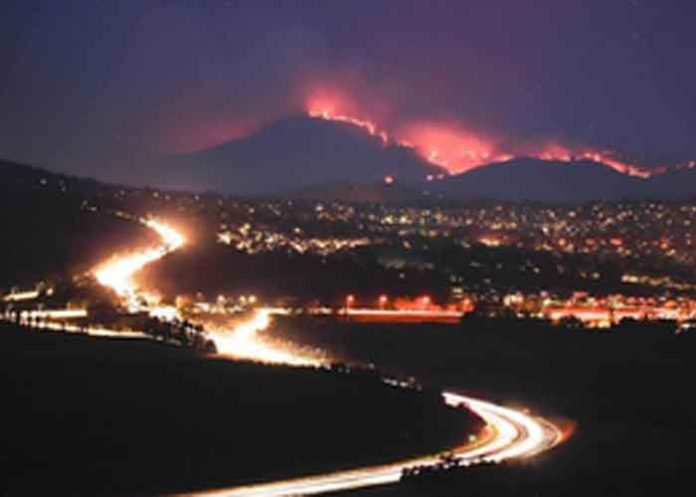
457, 149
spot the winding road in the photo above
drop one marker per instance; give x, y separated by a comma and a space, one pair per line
509, 433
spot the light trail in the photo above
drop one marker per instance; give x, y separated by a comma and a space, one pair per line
244, 342
118, 273
66, 327
512, 434
20, 296
56, 314
403, 315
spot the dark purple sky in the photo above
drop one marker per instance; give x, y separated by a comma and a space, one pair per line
95, 86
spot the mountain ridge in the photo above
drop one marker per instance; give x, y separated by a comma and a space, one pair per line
270, 161
305, 157
302, 155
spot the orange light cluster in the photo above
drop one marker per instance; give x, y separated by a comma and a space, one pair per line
425, 303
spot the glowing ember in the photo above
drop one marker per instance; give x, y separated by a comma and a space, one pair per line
244, 342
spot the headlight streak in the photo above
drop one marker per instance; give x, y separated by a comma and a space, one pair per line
510, 434
243, 342
118, 273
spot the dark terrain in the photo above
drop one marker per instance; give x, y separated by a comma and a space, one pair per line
86, 416
628, 392
50, 230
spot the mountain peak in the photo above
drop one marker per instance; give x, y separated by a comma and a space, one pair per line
294, 153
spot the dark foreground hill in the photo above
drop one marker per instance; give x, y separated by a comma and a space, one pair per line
84, 416
49, 230
627, 392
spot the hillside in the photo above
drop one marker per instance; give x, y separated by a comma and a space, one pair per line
624, 391
85, 416
305, 157
292, 154
349, 191
673, 185
22, 177
550, 181
519, 180
47, 229
531, 179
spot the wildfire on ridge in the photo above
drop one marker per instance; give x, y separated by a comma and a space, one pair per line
457, 150
368, 126
449, 147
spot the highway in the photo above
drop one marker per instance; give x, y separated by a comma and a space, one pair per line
118, 273
509, 433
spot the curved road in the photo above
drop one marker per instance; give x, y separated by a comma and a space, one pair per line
509, 433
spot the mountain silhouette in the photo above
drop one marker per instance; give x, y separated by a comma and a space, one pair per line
309, 157
291, 154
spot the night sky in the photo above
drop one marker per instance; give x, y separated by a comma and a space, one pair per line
95, 86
